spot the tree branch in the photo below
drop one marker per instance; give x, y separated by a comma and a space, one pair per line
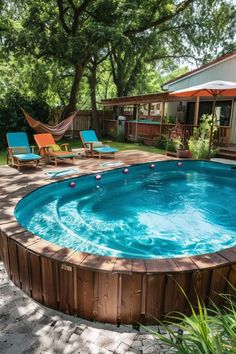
77, 12
180, 8
62, 11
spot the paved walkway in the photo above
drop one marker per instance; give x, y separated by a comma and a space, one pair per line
30, 328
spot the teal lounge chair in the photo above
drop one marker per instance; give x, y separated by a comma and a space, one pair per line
93, 146
19, 151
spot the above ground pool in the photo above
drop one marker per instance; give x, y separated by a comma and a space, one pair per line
156, 210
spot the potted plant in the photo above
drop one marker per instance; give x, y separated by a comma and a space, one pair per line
181, 151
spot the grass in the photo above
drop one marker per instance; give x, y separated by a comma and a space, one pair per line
3, 157
76, 143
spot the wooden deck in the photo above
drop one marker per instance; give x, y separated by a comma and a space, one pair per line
106, 289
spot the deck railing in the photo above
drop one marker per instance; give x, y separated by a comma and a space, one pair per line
148, 133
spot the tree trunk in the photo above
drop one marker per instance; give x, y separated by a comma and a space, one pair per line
93, 85
71, 106
120, 88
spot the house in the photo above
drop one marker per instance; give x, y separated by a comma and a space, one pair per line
148, 116
223, 68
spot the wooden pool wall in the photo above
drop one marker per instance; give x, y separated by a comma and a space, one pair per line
108, 289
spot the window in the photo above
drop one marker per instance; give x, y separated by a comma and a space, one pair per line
223, 111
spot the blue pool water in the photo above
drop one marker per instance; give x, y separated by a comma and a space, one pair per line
173, 210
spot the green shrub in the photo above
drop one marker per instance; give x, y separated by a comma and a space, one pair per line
174, 144
161, 142
200, 140
11, 116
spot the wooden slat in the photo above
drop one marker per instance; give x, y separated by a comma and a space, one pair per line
107, 297
63, 254
24, 269
12, 228
160, 266
14, 267
76, 258
200, 286
131, 298
5, 253
35, 277
123, 265
143, 295
1, 247
155, 296
232, 280
218, 284
44, 247
210, 260
138, 266
85, 300
49, 282
174, 297
185, 264
25, 238
119, 298
66, 289
229, 254
99, 263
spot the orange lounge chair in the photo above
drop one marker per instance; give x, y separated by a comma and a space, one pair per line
52, 151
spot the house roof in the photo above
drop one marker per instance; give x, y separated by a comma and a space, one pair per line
201, 68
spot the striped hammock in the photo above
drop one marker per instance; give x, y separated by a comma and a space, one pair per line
57, 131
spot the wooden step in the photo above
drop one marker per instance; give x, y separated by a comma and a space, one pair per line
229, 156
227, 151
171, 153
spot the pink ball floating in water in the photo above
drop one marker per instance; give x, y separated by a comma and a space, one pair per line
125, 170
98, 177
152, 166
72, 184
180, 164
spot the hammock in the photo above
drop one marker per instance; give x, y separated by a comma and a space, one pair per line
57, 131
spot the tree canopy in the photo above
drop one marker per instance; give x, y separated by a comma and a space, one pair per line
72, 53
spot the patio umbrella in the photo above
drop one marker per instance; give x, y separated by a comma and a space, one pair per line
212, 89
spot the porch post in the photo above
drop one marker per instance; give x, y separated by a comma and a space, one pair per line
136, 123
196, 111
163, 111
162, 115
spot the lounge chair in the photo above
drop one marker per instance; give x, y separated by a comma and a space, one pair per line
19, 152
51, 151
93, 146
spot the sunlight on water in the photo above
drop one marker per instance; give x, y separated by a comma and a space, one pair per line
165, 212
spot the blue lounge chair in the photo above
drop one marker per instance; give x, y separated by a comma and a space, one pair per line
19, 151
93, 146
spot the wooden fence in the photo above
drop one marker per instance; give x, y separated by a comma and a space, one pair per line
82, 121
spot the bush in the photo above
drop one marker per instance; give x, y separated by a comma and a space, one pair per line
200, 141
161, 142
12, 118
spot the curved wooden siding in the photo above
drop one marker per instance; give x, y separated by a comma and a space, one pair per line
110, 289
